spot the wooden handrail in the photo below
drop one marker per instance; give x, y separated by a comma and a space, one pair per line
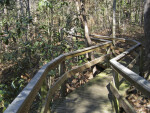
139, 82
122, 101
67, 75
136, 80
23, 101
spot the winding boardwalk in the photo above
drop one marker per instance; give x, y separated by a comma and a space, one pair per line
93, 97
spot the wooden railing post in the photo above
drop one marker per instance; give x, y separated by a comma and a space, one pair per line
116, 79
62, 71
141, 62
116, 84
109, 51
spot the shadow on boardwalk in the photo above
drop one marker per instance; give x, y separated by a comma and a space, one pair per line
93, 97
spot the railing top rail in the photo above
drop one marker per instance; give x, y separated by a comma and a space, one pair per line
26, 97
23, 101
139, 82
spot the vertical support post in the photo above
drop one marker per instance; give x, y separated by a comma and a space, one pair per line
141, 62
62, 71
112, 49
116, 84
108, 58
116, 79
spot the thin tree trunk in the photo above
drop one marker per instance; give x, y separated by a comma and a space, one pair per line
52, 22
28, 25
18, 9
6, 25
21, 4
114, 18
119, 20
142, 12
81, 10
80, 5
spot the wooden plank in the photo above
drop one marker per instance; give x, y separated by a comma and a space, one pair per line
122, 55
139, 82
118, 39
65, 76
141, 63
118, 48
134, 53
122, 101
133, 62
116, 84
116, 79
98, 39
92, 97
63, 86
86, 50
107, 37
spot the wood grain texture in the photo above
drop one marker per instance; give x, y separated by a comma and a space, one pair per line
122, 101
139, 82
93, 97
67, 75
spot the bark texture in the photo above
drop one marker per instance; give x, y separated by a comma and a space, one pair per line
147, 26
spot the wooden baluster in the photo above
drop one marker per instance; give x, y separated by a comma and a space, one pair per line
116, 84
62, 71
141, 62
108, 57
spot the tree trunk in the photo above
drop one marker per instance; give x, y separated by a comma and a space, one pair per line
18, 9
114, 18
28, 15
147, 26
147, 36
6, 25
81, 10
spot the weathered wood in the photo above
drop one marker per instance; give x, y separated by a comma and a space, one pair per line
118, 48
122, 55
65, 76
22, 102
134, 53
63, 86
92, 97
133, 62
116, 79
140, 83
141, 62
122, 101
86, 50
116, 84
108, 37
118, 39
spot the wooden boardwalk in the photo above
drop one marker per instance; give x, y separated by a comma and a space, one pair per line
93, 97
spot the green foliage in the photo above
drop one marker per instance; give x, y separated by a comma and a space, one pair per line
10, 91
6, 2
